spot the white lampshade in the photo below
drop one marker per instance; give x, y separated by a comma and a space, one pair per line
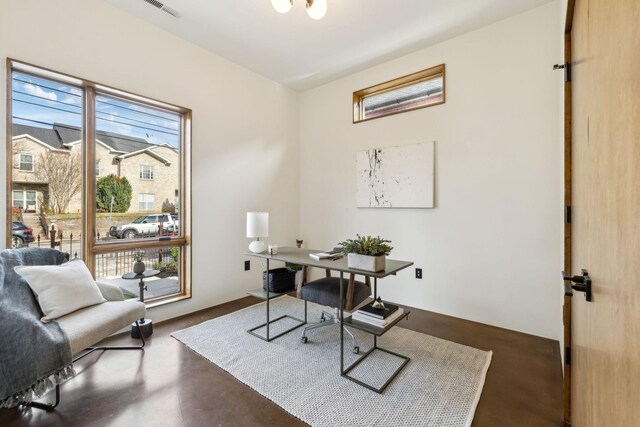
318, 9
257, 224
282, 6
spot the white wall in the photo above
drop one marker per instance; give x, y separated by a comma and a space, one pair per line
245, 128
491, 251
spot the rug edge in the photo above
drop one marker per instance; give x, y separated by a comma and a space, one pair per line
229, 314
476, 400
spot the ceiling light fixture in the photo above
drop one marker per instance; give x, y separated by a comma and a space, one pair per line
316, 9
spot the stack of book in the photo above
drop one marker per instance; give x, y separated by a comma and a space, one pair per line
380, 317
334, 253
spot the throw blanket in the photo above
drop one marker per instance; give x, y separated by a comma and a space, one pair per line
34, 356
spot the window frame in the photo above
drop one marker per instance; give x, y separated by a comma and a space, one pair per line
33, 162
142, 171
90, 247
146, 202
418, 77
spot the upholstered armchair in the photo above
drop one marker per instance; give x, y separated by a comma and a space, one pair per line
37, 354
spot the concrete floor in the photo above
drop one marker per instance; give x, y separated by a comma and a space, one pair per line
169, 385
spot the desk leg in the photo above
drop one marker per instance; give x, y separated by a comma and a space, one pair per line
267, 325
268, 286
375, 347
375, 296
341, 324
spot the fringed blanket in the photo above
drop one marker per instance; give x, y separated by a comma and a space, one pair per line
34, 356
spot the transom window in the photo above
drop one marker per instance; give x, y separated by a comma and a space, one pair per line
26, 162
146, 172
418, 90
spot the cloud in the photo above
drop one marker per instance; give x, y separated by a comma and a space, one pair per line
71, 100
38, 91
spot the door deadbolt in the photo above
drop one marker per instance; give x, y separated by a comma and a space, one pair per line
578, 283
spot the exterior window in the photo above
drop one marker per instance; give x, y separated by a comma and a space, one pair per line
25, 200
146, 202
141, 141
26, 162
18, 200
146, 172
418, 90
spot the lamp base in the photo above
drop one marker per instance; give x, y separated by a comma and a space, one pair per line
257, 246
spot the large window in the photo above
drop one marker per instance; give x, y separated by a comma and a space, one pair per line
112, 176
418, 90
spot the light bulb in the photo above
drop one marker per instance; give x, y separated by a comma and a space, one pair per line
282, 6
316, 8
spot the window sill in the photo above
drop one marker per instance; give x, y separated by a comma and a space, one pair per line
169, 299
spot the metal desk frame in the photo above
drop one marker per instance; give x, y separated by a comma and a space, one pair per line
268, 337
301, 257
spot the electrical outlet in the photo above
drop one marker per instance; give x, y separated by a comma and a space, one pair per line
418, 273
247, 265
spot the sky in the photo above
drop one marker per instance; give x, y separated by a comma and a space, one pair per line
40, 102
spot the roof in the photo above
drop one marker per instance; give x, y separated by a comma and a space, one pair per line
48, 136
61, 135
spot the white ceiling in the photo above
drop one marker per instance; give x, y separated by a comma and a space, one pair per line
302, 53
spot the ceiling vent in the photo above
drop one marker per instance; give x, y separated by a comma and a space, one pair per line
163, 7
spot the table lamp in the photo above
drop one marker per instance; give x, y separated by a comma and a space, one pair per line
257, 227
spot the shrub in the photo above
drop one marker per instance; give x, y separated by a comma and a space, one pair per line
115, 186
168, 207
174, 252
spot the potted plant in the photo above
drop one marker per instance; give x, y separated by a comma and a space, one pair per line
138, 266
366, 252
297, 268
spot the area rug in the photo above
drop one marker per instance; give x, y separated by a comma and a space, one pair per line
440, 386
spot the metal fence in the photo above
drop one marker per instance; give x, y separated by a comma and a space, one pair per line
112, 264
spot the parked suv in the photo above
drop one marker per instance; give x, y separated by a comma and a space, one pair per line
21, 234
146, 225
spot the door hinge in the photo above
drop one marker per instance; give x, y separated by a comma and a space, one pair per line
567, 214
567, 70
567, 355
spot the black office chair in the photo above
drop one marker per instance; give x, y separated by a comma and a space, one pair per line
326, 291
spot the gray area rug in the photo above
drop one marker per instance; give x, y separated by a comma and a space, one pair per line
440, 386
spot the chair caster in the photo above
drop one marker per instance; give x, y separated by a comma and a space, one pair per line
356, 350
304, 340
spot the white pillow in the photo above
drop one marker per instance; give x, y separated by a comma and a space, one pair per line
61, 289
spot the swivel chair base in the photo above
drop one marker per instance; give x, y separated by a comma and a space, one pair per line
328, 319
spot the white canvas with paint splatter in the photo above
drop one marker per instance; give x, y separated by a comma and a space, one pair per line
396, 177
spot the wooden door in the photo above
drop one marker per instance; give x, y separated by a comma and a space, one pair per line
605, 74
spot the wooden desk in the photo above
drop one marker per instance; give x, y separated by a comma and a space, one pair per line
301, 257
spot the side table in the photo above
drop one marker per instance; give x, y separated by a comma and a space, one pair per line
146, 325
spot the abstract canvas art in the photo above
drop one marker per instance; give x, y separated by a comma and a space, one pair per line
396, 177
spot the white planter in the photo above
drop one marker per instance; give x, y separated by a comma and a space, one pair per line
366, 262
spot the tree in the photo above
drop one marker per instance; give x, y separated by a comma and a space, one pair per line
116, 186
63, 174
168, 207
